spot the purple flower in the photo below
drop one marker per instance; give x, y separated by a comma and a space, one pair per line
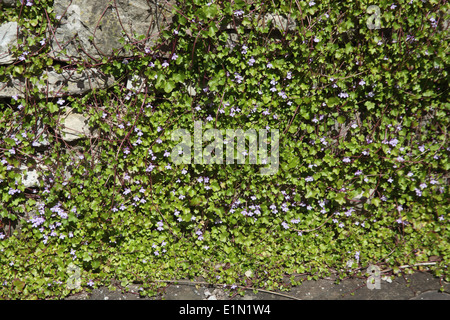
165, 64
308, 179
251, 61
393, 142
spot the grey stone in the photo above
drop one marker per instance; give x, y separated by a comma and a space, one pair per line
135, 83
358, 201
279, 22
74, 126
41, 138
94, 28
30, 178
9, 3
8, 39
55, 84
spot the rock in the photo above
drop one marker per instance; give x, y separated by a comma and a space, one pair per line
275, 20
30, 178
279, 22
68, 82
9, 3
190, 90
74, 126
358, 201
94, 28
135, 83
8, 38
41, 136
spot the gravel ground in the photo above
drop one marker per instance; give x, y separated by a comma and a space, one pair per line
418, 286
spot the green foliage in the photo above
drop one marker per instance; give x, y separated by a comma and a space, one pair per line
359, 110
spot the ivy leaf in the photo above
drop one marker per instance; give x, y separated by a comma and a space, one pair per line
169, 86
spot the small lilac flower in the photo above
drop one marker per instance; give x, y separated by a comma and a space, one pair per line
357, 173
309, 179
165, 64
393, 142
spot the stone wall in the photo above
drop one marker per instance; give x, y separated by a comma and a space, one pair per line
90, 30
